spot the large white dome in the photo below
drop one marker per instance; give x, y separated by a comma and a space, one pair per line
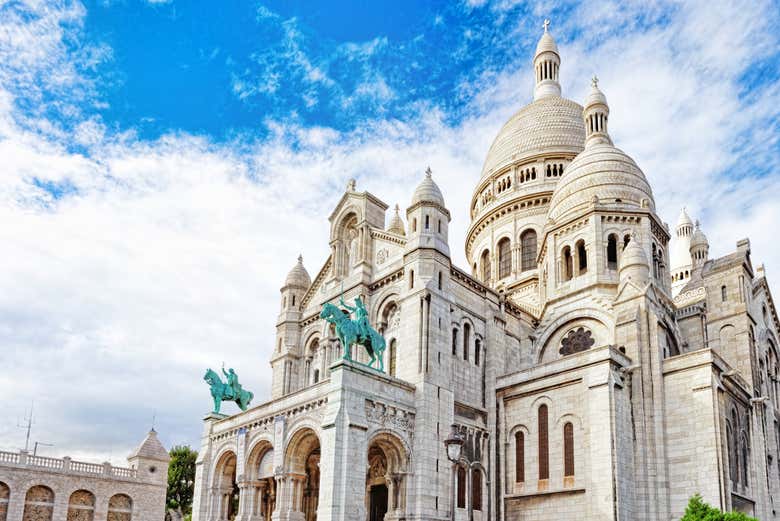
601, 173
550, 124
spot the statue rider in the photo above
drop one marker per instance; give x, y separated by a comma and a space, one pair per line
361, 316
232, 383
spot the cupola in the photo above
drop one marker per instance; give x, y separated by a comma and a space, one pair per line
633, 262
596, 114
396, 223
700, 247
547, 62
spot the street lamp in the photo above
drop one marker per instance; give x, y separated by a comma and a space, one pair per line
454, 445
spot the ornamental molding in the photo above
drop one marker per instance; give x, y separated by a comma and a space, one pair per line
689, 297
390, 416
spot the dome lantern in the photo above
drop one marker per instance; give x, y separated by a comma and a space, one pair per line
547, 62
596, 114
700, 247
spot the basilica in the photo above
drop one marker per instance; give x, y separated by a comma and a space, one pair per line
590, 362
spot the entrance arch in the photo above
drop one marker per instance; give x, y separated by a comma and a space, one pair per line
302, 481
225, 492
386, 477
260, 490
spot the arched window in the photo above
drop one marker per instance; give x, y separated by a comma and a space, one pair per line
120, 508
528, 250
293, 301
476, 489
391, 364
723, 294
461, 487
504, 258
568, 449
582, 258
612, 257
566, 261
81, 506
477, 348
427, 222
544, 450
733, 470
455, 341
411, 279
734, 449
466, 340
5, 494
316, 375
745, 460
38, 504
655, 261
439, 225
414, 224
519, 457
485, 266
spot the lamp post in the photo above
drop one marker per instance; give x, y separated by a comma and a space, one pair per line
454, 446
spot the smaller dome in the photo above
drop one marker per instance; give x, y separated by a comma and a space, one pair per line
633, 261
546, 44
699, 239
298, 276
595, 96
428, 191
396, 223
684, 218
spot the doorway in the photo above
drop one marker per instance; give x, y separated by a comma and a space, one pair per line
378, 505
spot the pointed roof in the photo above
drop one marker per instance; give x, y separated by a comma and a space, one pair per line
396, 223
151, 448
684, 219
428, 191
298, 276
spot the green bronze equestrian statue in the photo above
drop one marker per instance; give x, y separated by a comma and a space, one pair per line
357, 331
227, 392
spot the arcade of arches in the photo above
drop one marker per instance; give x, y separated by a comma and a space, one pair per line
263, 494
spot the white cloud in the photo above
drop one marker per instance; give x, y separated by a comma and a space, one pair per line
169, 255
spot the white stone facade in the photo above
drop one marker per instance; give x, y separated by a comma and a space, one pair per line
37, 488
588, 377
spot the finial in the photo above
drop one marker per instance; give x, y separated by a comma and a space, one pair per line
428, 172
546, 24
300, 258
594, 82
351, 185
397, 208
697, 224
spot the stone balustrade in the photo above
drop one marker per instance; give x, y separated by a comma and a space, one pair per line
65, 465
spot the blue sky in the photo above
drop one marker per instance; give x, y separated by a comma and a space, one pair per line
165, 162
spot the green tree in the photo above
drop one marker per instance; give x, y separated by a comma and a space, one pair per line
181, 480
698, 510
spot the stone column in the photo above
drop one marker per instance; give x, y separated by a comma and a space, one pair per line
245, 500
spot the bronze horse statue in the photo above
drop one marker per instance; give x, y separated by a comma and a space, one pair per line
355, 332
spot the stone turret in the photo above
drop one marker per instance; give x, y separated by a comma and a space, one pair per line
428, 217
150, 459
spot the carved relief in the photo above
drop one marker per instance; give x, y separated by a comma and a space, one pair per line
389, 416
382, 255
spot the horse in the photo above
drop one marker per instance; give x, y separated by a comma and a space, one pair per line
221, 392
348, 332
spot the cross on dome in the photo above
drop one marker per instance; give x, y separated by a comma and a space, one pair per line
428, 171
594, 82
546, 24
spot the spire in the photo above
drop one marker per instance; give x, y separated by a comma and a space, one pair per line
596, 114
546, 64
